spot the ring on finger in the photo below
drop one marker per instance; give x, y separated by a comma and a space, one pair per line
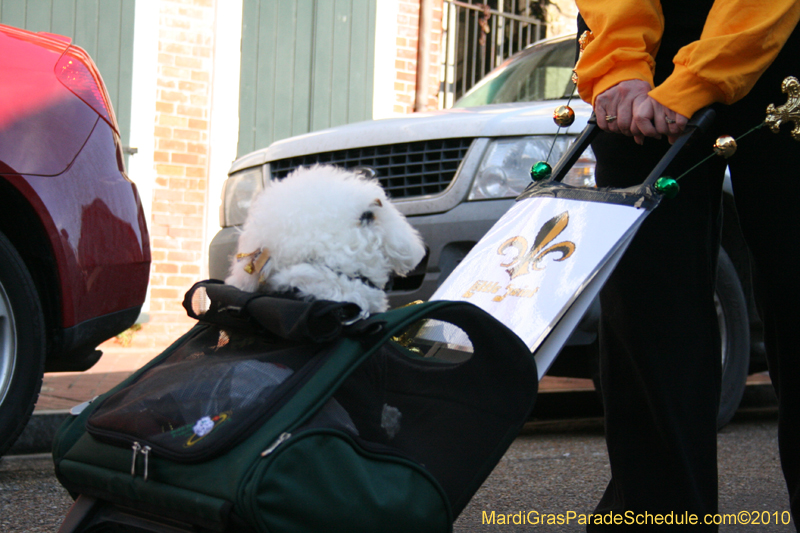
669, 120
611, 118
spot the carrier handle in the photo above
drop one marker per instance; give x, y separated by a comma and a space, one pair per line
486, 334
576, 149
699, 123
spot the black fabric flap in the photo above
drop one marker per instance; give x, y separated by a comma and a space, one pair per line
282, 315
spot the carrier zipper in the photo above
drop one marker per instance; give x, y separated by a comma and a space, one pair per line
371, 450
367, 446
146, 453
280, 440
144, 450
136, 448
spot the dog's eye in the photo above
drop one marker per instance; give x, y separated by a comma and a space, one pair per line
367, 217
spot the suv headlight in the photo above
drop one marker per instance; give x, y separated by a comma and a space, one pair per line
240, 188
505, 170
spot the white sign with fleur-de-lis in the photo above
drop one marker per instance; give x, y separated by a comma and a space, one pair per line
530, 268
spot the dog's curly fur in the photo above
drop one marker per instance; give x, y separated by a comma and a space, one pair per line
330, 234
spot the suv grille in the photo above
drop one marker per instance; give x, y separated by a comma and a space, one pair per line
404, 170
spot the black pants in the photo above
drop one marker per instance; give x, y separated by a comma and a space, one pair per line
660, 349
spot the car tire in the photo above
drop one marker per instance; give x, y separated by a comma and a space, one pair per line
22, 344
734, 326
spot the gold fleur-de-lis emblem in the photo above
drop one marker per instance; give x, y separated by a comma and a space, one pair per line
788, 112
524, 261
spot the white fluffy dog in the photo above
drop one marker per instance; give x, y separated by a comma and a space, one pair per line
327, 233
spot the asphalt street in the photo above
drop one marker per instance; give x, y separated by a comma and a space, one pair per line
556, 471
552, 468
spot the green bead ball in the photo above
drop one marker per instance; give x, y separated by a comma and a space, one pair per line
541, 171
668, 187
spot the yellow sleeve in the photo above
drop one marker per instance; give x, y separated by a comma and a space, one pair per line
740, 39
627, 34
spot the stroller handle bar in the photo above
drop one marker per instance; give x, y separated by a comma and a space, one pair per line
699, 123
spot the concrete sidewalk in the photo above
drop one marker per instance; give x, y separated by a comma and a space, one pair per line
61, 391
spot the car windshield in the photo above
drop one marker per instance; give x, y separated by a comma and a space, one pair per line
542, 72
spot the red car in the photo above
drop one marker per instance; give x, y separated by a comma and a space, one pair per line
74, 246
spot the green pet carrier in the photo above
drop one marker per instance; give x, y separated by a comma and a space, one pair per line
274, 414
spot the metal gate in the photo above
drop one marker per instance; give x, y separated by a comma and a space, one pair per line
477, 37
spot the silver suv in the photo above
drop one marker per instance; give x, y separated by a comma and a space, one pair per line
453, 173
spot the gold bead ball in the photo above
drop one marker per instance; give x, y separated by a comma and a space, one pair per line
725, 146
563, 116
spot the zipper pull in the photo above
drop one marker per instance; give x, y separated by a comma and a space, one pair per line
136, 447
283, 437
146, 453
78, 409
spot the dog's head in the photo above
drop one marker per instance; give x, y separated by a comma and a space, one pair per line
325, 232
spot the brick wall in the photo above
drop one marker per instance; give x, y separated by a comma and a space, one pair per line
436, 57
186, 36
405, 85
